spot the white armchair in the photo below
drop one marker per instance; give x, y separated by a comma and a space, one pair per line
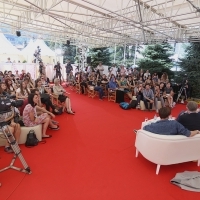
167, 149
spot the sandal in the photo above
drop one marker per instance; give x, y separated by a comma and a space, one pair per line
55, 122
47, 136
71, 113
57, 128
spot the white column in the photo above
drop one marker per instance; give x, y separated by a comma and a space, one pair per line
115, 53
124, 53
135, 54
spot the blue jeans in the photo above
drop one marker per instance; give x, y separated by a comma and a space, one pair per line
100, 90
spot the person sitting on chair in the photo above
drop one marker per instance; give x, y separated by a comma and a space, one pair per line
31, 118
148, 96
97, 87
168, 94
158, 97
124, 85
162, 126
60, 91
191, 117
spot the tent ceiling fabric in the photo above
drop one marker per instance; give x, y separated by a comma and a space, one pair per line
104, 22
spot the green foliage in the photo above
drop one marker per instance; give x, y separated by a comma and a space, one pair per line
129, 54
156, 58
100, 55
69, 53
51, 45
190, 65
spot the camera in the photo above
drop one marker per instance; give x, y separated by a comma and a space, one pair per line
9, 100
37, 54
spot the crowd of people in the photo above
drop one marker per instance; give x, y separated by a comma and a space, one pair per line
35, 95
147, 87
34, 98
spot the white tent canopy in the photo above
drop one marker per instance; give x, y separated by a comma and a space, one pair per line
47, 55
104, 22
8, 50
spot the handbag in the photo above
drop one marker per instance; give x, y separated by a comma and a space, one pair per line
45, 96
31, 139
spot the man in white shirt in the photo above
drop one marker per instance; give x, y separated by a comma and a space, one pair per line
100, 68
147, 74
113, 70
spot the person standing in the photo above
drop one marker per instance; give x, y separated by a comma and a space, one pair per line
113, 70
58, 68
100, 68
68, 68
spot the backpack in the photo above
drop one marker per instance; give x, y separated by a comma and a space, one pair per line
31, 139
124, 105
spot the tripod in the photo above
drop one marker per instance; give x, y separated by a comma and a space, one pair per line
180, 92
17, 152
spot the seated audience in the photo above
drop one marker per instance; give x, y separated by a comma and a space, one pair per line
168, 127
97, 87
123, 84
138, 91
148, 96
10, 86
45, 96
131, 83
22, 92
168, 94
29, 81
71, 79
60, 91
158, 97
112, 83
191, 118
30, 117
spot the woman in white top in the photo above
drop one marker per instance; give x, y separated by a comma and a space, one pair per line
22, 92
60, 91
10, 86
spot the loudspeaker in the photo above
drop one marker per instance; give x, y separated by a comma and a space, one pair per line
68, 42
18, 33
88, 59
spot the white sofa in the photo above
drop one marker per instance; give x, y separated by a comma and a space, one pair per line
167, 149
24, 132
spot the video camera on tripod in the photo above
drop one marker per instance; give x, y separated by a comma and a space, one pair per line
37, 54
6, 111
184, 86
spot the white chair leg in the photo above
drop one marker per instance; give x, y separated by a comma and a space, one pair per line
157, 169
136, 153
198, 163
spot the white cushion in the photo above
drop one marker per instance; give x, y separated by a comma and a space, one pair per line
24, 132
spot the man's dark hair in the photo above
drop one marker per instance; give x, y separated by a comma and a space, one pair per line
30, 99
147, 84
164, 112
34, 90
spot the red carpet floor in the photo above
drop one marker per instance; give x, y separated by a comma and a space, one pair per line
92, 157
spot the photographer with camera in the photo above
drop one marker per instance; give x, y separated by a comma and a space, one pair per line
37, 55
58, 68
